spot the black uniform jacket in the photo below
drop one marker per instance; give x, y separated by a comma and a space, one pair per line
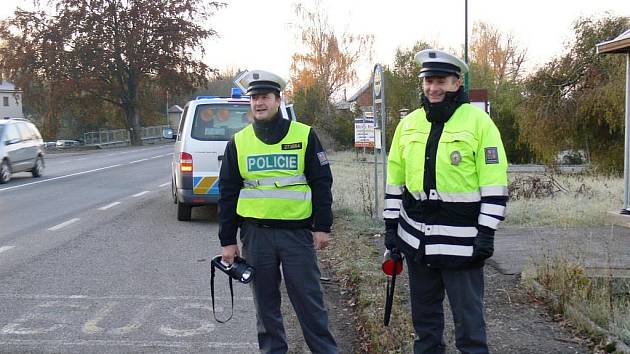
316, 170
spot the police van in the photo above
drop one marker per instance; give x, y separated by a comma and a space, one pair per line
206, 125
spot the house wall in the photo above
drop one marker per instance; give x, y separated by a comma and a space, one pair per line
10, 105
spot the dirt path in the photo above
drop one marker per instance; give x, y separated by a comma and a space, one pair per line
516, 322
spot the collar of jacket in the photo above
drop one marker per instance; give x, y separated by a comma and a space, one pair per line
442, 111
271, 132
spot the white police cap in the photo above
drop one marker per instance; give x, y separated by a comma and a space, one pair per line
259, 82
438, 63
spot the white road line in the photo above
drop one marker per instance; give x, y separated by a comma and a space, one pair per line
156, 157
6, 248
109, 206
60, 177
164, 184
138, 161
139, 194
63, 224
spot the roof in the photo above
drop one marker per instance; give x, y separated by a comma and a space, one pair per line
360, 92
621, 44
175, 109
6, 86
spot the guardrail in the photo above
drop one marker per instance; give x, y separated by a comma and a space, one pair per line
120, 137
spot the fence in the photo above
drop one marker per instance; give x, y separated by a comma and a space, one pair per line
122, 136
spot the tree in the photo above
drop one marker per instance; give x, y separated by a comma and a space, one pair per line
495, 58
496, 65
329, 60
107, 50
402, 86
576, 101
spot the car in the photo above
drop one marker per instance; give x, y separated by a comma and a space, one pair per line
67, 143
206, 125
21, 148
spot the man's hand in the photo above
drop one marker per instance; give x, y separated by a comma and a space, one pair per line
483, 246
321, 239
390, 238
229, 252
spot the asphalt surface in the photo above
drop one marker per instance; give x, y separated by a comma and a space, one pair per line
601, 249
93, 260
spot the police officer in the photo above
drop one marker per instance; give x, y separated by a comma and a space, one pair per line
275, 184
446, 194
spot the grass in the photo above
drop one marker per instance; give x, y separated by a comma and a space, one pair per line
357, 252
543, 200
576, 200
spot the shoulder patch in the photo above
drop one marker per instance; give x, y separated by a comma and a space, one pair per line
492, 155
323, 159
292, 146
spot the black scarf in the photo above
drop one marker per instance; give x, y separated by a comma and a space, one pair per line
441, 112
271, 132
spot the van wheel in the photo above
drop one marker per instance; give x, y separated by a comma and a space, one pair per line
5, 172
38, 168
183, 211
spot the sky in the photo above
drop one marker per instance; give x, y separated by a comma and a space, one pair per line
256, 34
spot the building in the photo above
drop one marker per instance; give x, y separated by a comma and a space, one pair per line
363, 98
174, 114
11, 101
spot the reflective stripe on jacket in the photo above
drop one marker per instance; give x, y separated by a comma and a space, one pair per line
470, 167
274, 185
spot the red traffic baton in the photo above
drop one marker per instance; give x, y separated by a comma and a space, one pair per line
392, 266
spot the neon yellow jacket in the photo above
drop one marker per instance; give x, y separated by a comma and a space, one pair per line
470, 175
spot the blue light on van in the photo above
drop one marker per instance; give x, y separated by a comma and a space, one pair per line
236, 92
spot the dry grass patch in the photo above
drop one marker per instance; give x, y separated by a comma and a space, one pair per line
562, 200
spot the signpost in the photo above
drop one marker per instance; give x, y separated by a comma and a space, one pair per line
378, 109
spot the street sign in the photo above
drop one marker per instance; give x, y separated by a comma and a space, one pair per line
364, 131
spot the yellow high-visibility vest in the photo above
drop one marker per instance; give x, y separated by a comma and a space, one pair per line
274, 183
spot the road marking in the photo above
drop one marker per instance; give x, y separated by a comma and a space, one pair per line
63, 224
138, 161
60, 177
130, 343
164, 184
109, 206
205, 327
6, 248
156, 157
140, 194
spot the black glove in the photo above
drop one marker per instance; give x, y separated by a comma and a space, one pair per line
483, 246
390, 238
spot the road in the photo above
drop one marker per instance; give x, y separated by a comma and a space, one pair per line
93, 260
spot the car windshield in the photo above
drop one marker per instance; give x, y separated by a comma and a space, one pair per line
1, 130
218, 122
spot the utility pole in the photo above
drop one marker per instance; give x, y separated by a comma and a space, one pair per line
466, 42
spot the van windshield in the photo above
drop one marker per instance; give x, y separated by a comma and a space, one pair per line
219, 122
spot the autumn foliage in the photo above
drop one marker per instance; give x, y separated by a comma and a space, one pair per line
106, 51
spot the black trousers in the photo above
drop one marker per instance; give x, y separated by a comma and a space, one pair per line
465, 294
268, 249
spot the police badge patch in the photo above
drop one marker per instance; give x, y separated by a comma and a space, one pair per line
456, 158
323, 159
492, 155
